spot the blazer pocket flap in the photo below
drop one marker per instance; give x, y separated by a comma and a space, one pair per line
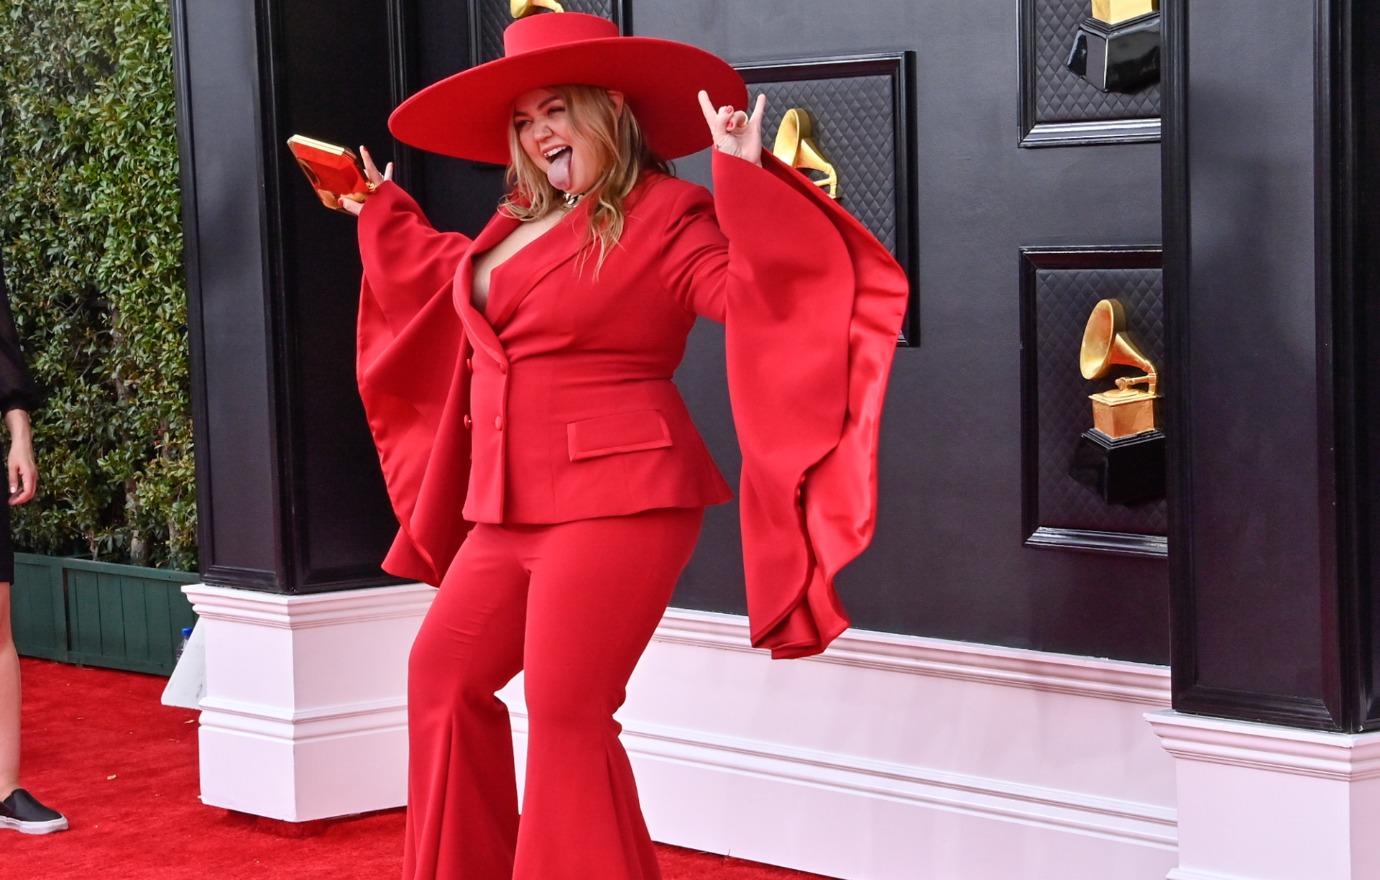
622, 432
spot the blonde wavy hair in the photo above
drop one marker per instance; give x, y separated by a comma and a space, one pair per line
620, 149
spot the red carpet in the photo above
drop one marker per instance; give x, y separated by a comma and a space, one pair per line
100, 747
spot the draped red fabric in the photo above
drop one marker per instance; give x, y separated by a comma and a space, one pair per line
812, 325
409, 348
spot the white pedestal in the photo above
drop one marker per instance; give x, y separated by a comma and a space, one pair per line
1261, 802
305, 712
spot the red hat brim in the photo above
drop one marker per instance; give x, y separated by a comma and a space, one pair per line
467, 115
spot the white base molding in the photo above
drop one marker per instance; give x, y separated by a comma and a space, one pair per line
1263, 802
888, 757
898, 757
305, 711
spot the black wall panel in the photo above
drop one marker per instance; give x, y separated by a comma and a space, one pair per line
226, 318
1251, 306
1059, 106
1363, 139
1060, 288
323, 88
1348, 240
1255, 594
864, 123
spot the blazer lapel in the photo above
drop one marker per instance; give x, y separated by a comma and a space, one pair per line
479, 330
521, 272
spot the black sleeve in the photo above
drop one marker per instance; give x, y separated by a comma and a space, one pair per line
17, 389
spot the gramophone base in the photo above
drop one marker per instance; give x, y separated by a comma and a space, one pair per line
1123, 57
1119, 414
1126, 470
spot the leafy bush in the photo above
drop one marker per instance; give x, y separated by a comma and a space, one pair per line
92, 245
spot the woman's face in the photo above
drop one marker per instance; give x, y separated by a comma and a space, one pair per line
543, 125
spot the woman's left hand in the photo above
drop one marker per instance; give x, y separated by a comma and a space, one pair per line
734, 131
23, 469
372, 174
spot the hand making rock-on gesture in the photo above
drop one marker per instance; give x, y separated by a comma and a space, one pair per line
734, 131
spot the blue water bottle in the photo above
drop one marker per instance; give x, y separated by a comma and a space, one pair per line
182, 646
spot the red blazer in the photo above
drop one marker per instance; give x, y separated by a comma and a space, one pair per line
557, 403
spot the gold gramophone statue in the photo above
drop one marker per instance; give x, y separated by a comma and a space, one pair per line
1122, 455
1117, 47
1126, 409
796, 146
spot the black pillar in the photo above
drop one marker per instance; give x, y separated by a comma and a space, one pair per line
1266, 353
290, 497
1351, 218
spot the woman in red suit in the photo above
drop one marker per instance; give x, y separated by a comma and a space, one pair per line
544, 470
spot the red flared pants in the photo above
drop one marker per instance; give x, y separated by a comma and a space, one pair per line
573, 605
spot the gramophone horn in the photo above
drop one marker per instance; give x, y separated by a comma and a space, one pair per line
1105, 343
521, 8
796, 146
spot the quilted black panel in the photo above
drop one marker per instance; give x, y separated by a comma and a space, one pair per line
495, 15
855, 128
1063, 299
1061, 95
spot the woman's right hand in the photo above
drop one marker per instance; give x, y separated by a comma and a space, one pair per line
371, 172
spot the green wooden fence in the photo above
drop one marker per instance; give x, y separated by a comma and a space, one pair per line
99, 613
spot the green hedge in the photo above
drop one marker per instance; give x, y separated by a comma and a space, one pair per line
92, 243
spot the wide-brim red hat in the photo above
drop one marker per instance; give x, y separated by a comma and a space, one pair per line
468, 115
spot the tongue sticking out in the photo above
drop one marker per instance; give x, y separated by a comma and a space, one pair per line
559, 172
